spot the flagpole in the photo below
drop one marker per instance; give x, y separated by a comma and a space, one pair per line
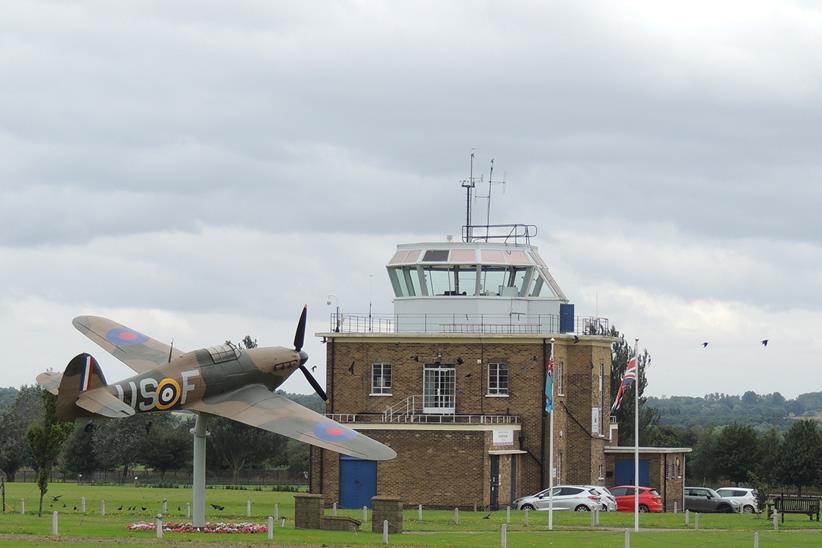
551, 446
636, 439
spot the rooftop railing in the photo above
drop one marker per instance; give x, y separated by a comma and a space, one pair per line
463, 323
423, 418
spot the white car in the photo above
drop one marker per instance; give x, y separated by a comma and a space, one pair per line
566, 497
608, 500
745, 496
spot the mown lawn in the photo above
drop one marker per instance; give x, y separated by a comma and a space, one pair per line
475, 529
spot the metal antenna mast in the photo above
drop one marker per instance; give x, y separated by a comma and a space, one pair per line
468, 184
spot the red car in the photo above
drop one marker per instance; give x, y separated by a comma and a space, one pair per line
649, 499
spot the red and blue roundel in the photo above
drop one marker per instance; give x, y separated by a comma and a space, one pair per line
333, 432
123, 336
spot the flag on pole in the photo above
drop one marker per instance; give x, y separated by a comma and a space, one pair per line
627, 380
549, 386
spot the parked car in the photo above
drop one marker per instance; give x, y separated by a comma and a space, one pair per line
745, 496
566, 497
704, 499
649, 499
608, 501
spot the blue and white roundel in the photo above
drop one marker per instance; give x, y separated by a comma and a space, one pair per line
333, 432
123, 336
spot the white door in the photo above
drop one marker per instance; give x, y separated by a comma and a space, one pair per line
438, 389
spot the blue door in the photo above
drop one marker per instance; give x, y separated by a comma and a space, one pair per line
358, 482
624, 473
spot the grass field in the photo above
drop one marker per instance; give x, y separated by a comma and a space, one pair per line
476, 529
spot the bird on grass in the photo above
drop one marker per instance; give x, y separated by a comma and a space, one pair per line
75, 508
55, 498
144, 508
131, 508
218, 507
178, 509
487, 516
119, 508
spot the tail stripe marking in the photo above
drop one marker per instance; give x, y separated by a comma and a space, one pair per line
88, 370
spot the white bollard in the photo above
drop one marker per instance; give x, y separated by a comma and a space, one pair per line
526, 517
55, 531
475, 507
165, 506
277, 511
334, 509
385, 531
775, 521
364, 514
756, 539
22, 506
456, 516
83, 505
282, 523
674, 507
504, 540
188, 510
419, 512
158, 526
270, 530
696, 520
687, 518
102, 507
593, 517
248, 508
627, 538
507, 514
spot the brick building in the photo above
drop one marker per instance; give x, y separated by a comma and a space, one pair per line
454, 380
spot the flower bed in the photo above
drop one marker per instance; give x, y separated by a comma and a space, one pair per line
171, 527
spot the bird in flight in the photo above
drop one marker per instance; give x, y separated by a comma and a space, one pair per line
764, 342
705, 344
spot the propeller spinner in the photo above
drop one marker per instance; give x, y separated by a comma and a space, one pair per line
299, 339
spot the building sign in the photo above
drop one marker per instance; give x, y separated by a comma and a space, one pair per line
503, 437
595, 417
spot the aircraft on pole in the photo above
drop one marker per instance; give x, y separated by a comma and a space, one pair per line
224, 380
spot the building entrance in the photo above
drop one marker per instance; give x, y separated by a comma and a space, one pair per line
438, 389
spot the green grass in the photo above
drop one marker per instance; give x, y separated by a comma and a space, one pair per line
476, 529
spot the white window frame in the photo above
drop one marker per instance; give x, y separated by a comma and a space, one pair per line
381, 390
496, 391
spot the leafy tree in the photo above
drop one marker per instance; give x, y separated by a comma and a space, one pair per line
238, 446
45, 440
168, 448
701, 466
737, 452
801, 454
621, 352
80, 452
7, 396
770, 444
14, 422
119, 442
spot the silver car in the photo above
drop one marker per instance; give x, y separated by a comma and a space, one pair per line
566, 497
704, 499
745, 496
608, 500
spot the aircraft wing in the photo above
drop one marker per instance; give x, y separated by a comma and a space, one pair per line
257, 406
102, 402
138, 351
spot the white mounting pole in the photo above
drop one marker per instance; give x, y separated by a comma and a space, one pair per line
636, 439
551, 445
198, 486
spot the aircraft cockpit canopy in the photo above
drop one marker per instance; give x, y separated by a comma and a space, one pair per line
223, 352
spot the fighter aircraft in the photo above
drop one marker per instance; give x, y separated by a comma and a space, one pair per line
223, 380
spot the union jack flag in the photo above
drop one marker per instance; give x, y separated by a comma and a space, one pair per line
627, 380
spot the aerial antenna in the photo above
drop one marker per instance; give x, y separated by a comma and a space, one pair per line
468, 185
491, 182
170, 350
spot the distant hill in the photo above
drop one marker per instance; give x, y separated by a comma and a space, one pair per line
7, 396
717, 409
312, 401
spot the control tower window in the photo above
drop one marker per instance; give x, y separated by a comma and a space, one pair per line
466, 276
440, 280
435, 256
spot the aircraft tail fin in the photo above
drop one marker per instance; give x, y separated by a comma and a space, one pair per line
82, 373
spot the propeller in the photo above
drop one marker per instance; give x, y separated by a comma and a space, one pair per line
299, 339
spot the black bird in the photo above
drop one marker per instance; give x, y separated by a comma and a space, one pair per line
313, 368
218, 507
75, 508
178, 508
143, 508
705, 344
119, 508
576, 339
764, 342
488, 516
55, 498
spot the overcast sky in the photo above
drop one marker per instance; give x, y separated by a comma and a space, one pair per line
199, 170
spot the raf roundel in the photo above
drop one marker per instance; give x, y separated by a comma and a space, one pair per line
123, 336
168, 392
333, 432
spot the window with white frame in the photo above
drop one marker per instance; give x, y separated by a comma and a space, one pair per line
381, 378
601, 471
497, 379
